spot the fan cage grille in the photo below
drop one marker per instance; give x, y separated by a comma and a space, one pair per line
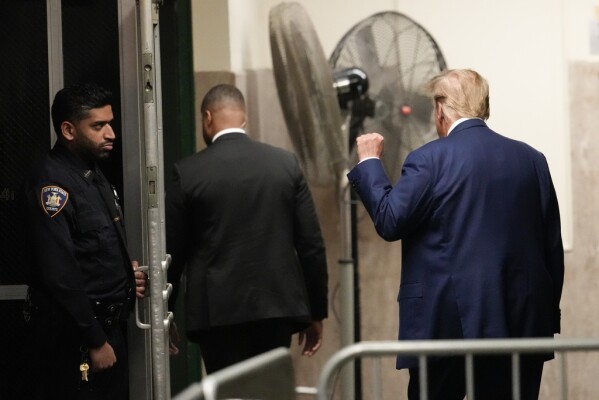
399, 57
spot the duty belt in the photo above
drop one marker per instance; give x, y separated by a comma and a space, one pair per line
109, 313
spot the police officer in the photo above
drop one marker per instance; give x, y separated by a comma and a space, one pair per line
82, 281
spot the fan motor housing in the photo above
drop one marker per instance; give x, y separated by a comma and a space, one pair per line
351, 84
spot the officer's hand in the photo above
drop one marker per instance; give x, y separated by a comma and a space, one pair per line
141, 280
102, 357
369, 145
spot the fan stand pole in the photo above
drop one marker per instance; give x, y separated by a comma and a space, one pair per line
346, 284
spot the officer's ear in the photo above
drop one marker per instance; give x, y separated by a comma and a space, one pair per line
67, 131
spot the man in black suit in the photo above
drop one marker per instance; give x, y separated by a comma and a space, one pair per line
240, 218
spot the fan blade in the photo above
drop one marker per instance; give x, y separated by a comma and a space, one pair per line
305, 88
367, 54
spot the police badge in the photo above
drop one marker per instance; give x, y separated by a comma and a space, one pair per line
53, 199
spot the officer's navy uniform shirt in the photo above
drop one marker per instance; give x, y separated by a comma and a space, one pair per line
78, 240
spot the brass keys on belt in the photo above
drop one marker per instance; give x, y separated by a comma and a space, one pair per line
83, 368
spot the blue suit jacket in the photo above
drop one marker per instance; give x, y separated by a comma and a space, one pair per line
482, 253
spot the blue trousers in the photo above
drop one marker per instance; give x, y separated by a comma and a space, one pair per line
492, 378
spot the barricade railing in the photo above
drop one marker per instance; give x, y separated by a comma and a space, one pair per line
463, 347
268, 376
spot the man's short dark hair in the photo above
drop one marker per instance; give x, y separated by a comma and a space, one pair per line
222, 94
73, 103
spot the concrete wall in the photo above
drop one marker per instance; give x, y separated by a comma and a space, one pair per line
545, 90
580, 302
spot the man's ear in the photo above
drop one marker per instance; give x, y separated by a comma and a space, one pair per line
207, 117
439, 111
67, 131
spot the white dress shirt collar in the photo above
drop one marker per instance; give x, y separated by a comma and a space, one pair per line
225, 131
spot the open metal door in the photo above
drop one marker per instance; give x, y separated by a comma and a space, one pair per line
159, 318
135, 200
143, 192
144, 195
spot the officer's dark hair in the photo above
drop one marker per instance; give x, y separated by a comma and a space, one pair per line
73, 103
221, 95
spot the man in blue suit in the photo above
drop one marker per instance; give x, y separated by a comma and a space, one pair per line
482, 253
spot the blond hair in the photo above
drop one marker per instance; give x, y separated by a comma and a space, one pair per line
462, 92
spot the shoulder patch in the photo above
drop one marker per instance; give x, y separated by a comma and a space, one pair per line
53, 199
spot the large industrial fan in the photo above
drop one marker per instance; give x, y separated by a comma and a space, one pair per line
374, 81
399, 57
308, 99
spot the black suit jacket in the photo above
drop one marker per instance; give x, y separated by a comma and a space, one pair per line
240, 216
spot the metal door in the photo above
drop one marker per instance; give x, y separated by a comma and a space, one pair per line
24, 138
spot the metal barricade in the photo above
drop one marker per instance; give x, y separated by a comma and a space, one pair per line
268, 376
467, 348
